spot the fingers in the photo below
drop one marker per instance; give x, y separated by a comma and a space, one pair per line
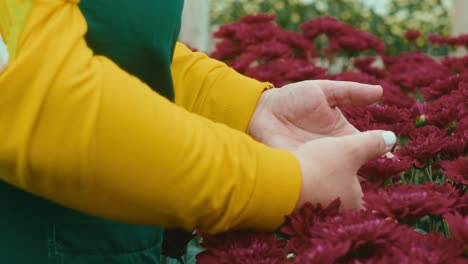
362, 147
340, 93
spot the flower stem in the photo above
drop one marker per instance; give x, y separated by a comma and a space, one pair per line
428, 172
413, 174
446, 229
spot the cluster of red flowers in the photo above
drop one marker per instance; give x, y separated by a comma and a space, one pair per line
416, 201
461, 40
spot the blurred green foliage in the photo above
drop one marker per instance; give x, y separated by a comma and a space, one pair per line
389, 24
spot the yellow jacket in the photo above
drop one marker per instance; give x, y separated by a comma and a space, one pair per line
78, 130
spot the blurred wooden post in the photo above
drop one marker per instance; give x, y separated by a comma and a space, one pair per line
195, 29
460, 20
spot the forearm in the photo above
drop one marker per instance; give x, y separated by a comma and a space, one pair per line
82, 132
212, 89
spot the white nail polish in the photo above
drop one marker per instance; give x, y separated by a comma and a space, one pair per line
389, 138
3, 54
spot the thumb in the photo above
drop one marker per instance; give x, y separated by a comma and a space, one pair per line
368, 145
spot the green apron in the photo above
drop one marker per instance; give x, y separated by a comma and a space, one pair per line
139, 35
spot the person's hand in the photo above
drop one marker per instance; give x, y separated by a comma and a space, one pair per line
290, 116
329, 166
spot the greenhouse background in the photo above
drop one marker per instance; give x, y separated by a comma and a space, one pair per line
386, 19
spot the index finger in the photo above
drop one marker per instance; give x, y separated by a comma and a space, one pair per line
340, 93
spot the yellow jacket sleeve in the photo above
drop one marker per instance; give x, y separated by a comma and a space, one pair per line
212, 89
78, 130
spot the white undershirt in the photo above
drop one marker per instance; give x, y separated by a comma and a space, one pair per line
4, 56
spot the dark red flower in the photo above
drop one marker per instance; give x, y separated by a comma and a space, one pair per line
412, 35
322, 25
227, 49
271, 49
381, 117
430, 248
256, 33
394, 96
456, 170
342, 36
410, 202
449, 189
243, 62
443, 111
303, 48
462, 126
326, 253
273, 71
301, 70
299, 224
435, 39
426, 142
458, 225
456, 145
364, 64
366, 235
460, 40
384, 168
414, 70
456, 64
242, 247
440, 87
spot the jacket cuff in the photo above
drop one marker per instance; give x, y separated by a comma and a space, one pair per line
238, 101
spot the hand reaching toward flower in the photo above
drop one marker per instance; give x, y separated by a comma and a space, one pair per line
304, 118
329, 166
290, 116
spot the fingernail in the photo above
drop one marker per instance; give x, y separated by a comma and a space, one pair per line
389, 138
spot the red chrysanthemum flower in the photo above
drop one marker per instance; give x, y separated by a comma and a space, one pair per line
411, 202
366, 235
412, 35
273, 71
435, 39
269, 50
394, 96
456, 64
242, 247
456, 170
430, 248
383, 168
364, 64
414, 70
456, 145
426, 142
300, 70
326, 253
441, 87
299, 224
378, 117
341, 35
458, 226
461, 40
443, 112
328, 25
227, 49
304, 48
